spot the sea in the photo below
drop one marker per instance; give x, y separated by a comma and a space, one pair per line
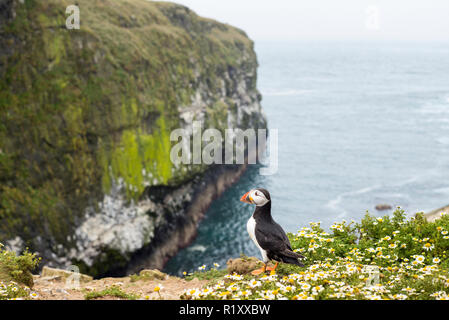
359, 124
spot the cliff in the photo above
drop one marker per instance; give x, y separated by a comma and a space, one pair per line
85, 170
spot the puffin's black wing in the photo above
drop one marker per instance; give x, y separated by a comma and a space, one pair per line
272, 238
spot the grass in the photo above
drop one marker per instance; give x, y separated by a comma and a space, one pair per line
113, 291
147, 276
211, 274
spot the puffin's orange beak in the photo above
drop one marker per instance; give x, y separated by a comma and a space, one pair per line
246, 198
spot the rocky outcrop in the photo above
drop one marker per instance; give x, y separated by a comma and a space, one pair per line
435, 214
243, 265
85, 170
59, 274
383, 207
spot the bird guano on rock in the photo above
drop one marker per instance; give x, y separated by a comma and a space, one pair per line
268, 236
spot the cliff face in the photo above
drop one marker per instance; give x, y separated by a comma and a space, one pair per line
86, 116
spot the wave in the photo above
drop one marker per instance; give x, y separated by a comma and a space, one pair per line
438, 106
335, 203
376, 192
286, 92
434, 109
197, 247
443, 140
442, 190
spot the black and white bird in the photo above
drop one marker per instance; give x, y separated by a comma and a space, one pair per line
268, 236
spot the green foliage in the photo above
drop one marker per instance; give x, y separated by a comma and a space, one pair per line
113, 291
15, 273
17, 268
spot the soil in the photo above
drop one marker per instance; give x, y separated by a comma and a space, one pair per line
48, 288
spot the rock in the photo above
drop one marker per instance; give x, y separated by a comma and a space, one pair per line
64, 274
52, 278
436, 214
383, 207
243, 265
152, 274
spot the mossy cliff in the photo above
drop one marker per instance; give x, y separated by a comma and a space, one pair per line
86, 116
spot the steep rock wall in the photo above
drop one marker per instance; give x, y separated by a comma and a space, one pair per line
85, 170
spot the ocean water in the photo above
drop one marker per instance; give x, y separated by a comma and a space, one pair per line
359, 124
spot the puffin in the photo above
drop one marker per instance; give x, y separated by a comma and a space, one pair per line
267, 235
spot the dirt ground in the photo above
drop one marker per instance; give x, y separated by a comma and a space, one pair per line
48, 288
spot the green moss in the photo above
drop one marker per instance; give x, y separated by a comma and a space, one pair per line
139, 159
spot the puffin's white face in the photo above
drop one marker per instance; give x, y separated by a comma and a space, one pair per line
255, 197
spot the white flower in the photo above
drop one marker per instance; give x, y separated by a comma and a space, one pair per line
158, 288
34, 295
254, 283
419, 259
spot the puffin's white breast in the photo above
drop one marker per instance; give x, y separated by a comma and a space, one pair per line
251, 228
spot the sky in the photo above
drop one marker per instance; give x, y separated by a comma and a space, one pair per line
408, 20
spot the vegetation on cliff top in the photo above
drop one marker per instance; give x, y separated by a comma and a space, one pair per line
84, 109
376, 259
388, 257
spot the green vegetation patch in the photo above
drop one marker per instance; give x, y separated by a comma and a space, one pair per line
17, 268
211, 274
113, 291
15, 274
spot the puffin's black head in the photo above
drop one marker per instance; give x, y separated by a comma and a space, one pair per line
259, 197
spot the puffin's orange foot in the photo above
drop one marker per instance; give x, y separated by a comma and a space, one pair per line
273, 268
258, 271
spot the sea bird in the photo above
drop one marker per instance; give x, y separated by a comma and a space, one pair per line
268, 236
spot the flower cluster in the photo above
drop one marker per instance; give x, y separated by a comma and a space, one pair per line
13, 291
15, 271
378, 258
